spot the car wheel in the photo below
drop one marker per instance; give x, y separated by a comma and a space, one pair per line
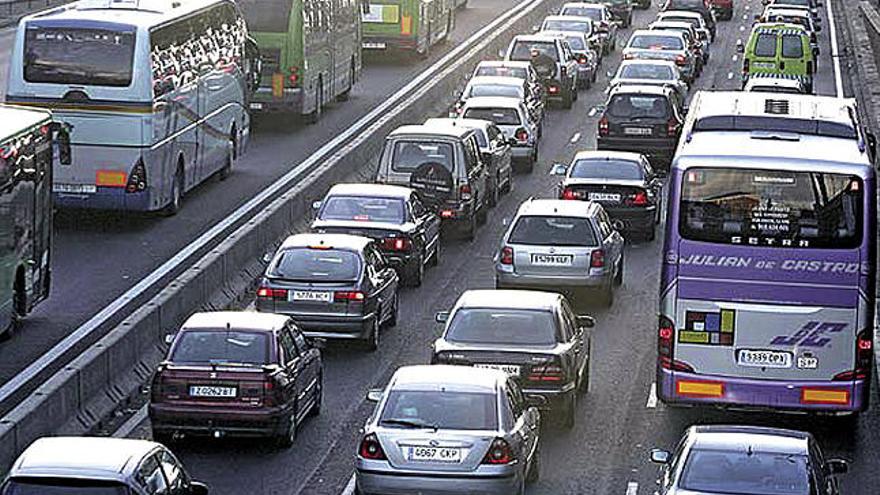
319, 397
535, 466
287, 436
417, 272
618, 277
569, 412
483, 213
652, 233
574, 90
435, 258
372, 341
395, 311
567, 99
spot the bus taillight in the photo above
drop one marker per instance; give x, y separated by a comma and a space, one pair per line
666, 346
137, 178
864, 358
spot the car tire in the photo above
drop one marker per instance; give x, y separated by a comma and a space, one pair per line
574, 90
319, 399
651, 234
395, 311
372, 341
435, 257
618, 277
568, 413
286, 437
416, 272
534, 472
493, 196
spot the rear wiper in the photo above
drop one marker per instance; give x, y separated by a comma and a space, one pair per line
409, 423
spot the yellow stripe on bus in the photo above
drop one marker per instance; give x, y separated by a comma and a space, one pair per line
702, 389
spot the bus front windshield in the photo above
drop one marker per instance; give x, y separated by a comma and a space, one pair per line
771, 208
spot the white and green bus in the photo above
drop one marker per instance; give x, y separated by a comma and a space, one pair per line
310, 52
408, 25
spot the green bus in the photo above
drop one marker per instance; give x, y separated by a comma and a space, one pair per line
410, 25
310, 52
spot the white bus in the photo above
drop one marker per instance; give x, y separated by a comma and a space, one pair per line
153, 92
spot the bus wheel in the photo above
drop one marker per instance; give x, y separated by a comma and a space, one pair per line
176, 194
345, 95
315, 116
231, 155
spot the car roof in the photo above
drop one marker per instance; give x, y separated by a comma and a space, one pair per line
239, 320
830, 109
505, 63
648, 61
655, 32
535, 37
680, 13
101, 458
780, 10
566, 17
447, 378
756, 438
660, 25
558, 208
432, 129
492, 102
332, 241
14, 119
650, 89
512, 299
502, 80
469, 123
608, 155
779, 28
566, 34
370, 190
583, 5
142, 13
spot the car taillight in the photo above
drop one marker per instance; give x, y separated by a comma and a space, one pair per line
864, 358
271, 392
499, 453
680, 60
569, 193
521, 134
640, 198
464, 192
671, 127
582, 59
270, 293
293, 77
603, 126
447, 213
371, 448
396, 244
162, 388
597, 258
506, 256
552, 89
137, 178
546, 373
349, 295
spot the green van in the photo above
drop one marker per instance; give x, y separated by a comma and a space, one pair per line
781, 50
411, 25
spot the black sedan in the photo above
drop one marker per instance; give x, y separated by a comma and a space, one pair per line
623, 183
407, 233
333, 286
533, 336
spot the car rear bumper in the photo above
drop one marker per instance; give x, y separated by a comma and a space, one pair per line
633, 219
203, 420
776, 395
522, 152
508, 280
331, 326
378, 42
397, 482
107, 198
555, 398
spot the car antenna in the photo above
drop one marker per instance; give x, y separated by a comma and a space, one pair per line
749, 451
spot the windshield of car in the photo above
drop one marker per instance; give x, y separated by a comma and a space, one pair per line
594, 13
771, 208
634, 106
792, 46
410, 155
656, 42
489, 70
502, 327
505, 90
802, 3
606, 169
440, 409
364, 209
526, 51
765, 45
221, 346
83, 56
567, 25
646, 71
317, 264
757, 473
501, 116
270, 16
686, 5
538, 230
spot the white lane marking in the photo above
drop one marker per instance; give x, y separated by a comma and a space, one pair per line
835, 54
277, 187
730, 75
742, 28
745, 16
652, 397
735, 58
575, 138
632, 488
126, 429
349, 488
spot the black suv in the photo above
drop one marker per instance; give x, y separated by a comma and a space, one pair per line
622, 10
553, 61
643, 119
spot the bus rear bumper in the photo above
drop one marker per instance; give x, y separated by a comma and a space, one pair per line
264, 102
683, 388
106, 198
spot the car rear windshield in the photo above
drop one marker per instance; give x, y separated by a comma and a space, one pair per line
502, 327
576, 43
269, 16
686, 5
489, 70
504, 90
82, 56
552, 231
221, 346
757, 473
501, 116
771, 208
635, 106
765, 45
606, 169
656, 42
690, 20
364, 209
594, 13
410, 155
440, 409
317, 264
792, 46
646, 71
567, 25
802, 3
525, 51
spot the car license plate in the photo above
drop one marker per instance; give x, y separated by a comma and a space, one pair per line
75, 188
256, 106
374, 46
764, 359
541, 259
434, 454
604, 197
510, 369
310, 295
211, 391
637, 131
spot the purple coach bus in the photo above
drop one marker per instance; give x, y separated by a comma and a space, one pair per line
767, 284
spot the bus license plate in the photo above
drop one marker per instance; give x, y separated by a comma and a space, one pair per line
434, 454
75, 188
373, 46
764, 359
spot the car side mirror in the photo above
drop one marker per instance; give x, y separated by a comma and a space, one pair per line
198, 488
586, 321
535, 400
611, 74
316, 205
441, 316
659, 456
836, 466
872, 145
559, 169
375, 394
757, 17
740, 46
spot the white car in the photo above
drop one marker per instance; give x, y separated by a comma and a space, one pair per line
512, 117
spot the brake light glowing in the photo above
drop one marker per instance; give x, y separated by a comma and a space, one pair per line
569, 193
582, 59
597, 258
699, 388
522, 134
680, 60
506, 256
671, 127
293, 78
270, 293
447, 214
371, 448
552, 89
344, 295
465, 192
499, 452
640, 198
603, 126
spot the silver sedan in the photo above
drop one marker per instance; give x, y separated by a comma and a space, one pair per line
449, 429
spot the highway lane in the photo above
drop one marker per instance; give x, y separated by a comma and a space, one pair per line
98, 256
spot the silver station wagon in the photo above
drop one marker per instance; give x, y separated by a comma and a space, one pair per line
561, 246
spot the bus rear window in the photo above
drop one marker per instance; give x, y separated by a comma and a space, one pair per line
269, 16
84, 56
770, 208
